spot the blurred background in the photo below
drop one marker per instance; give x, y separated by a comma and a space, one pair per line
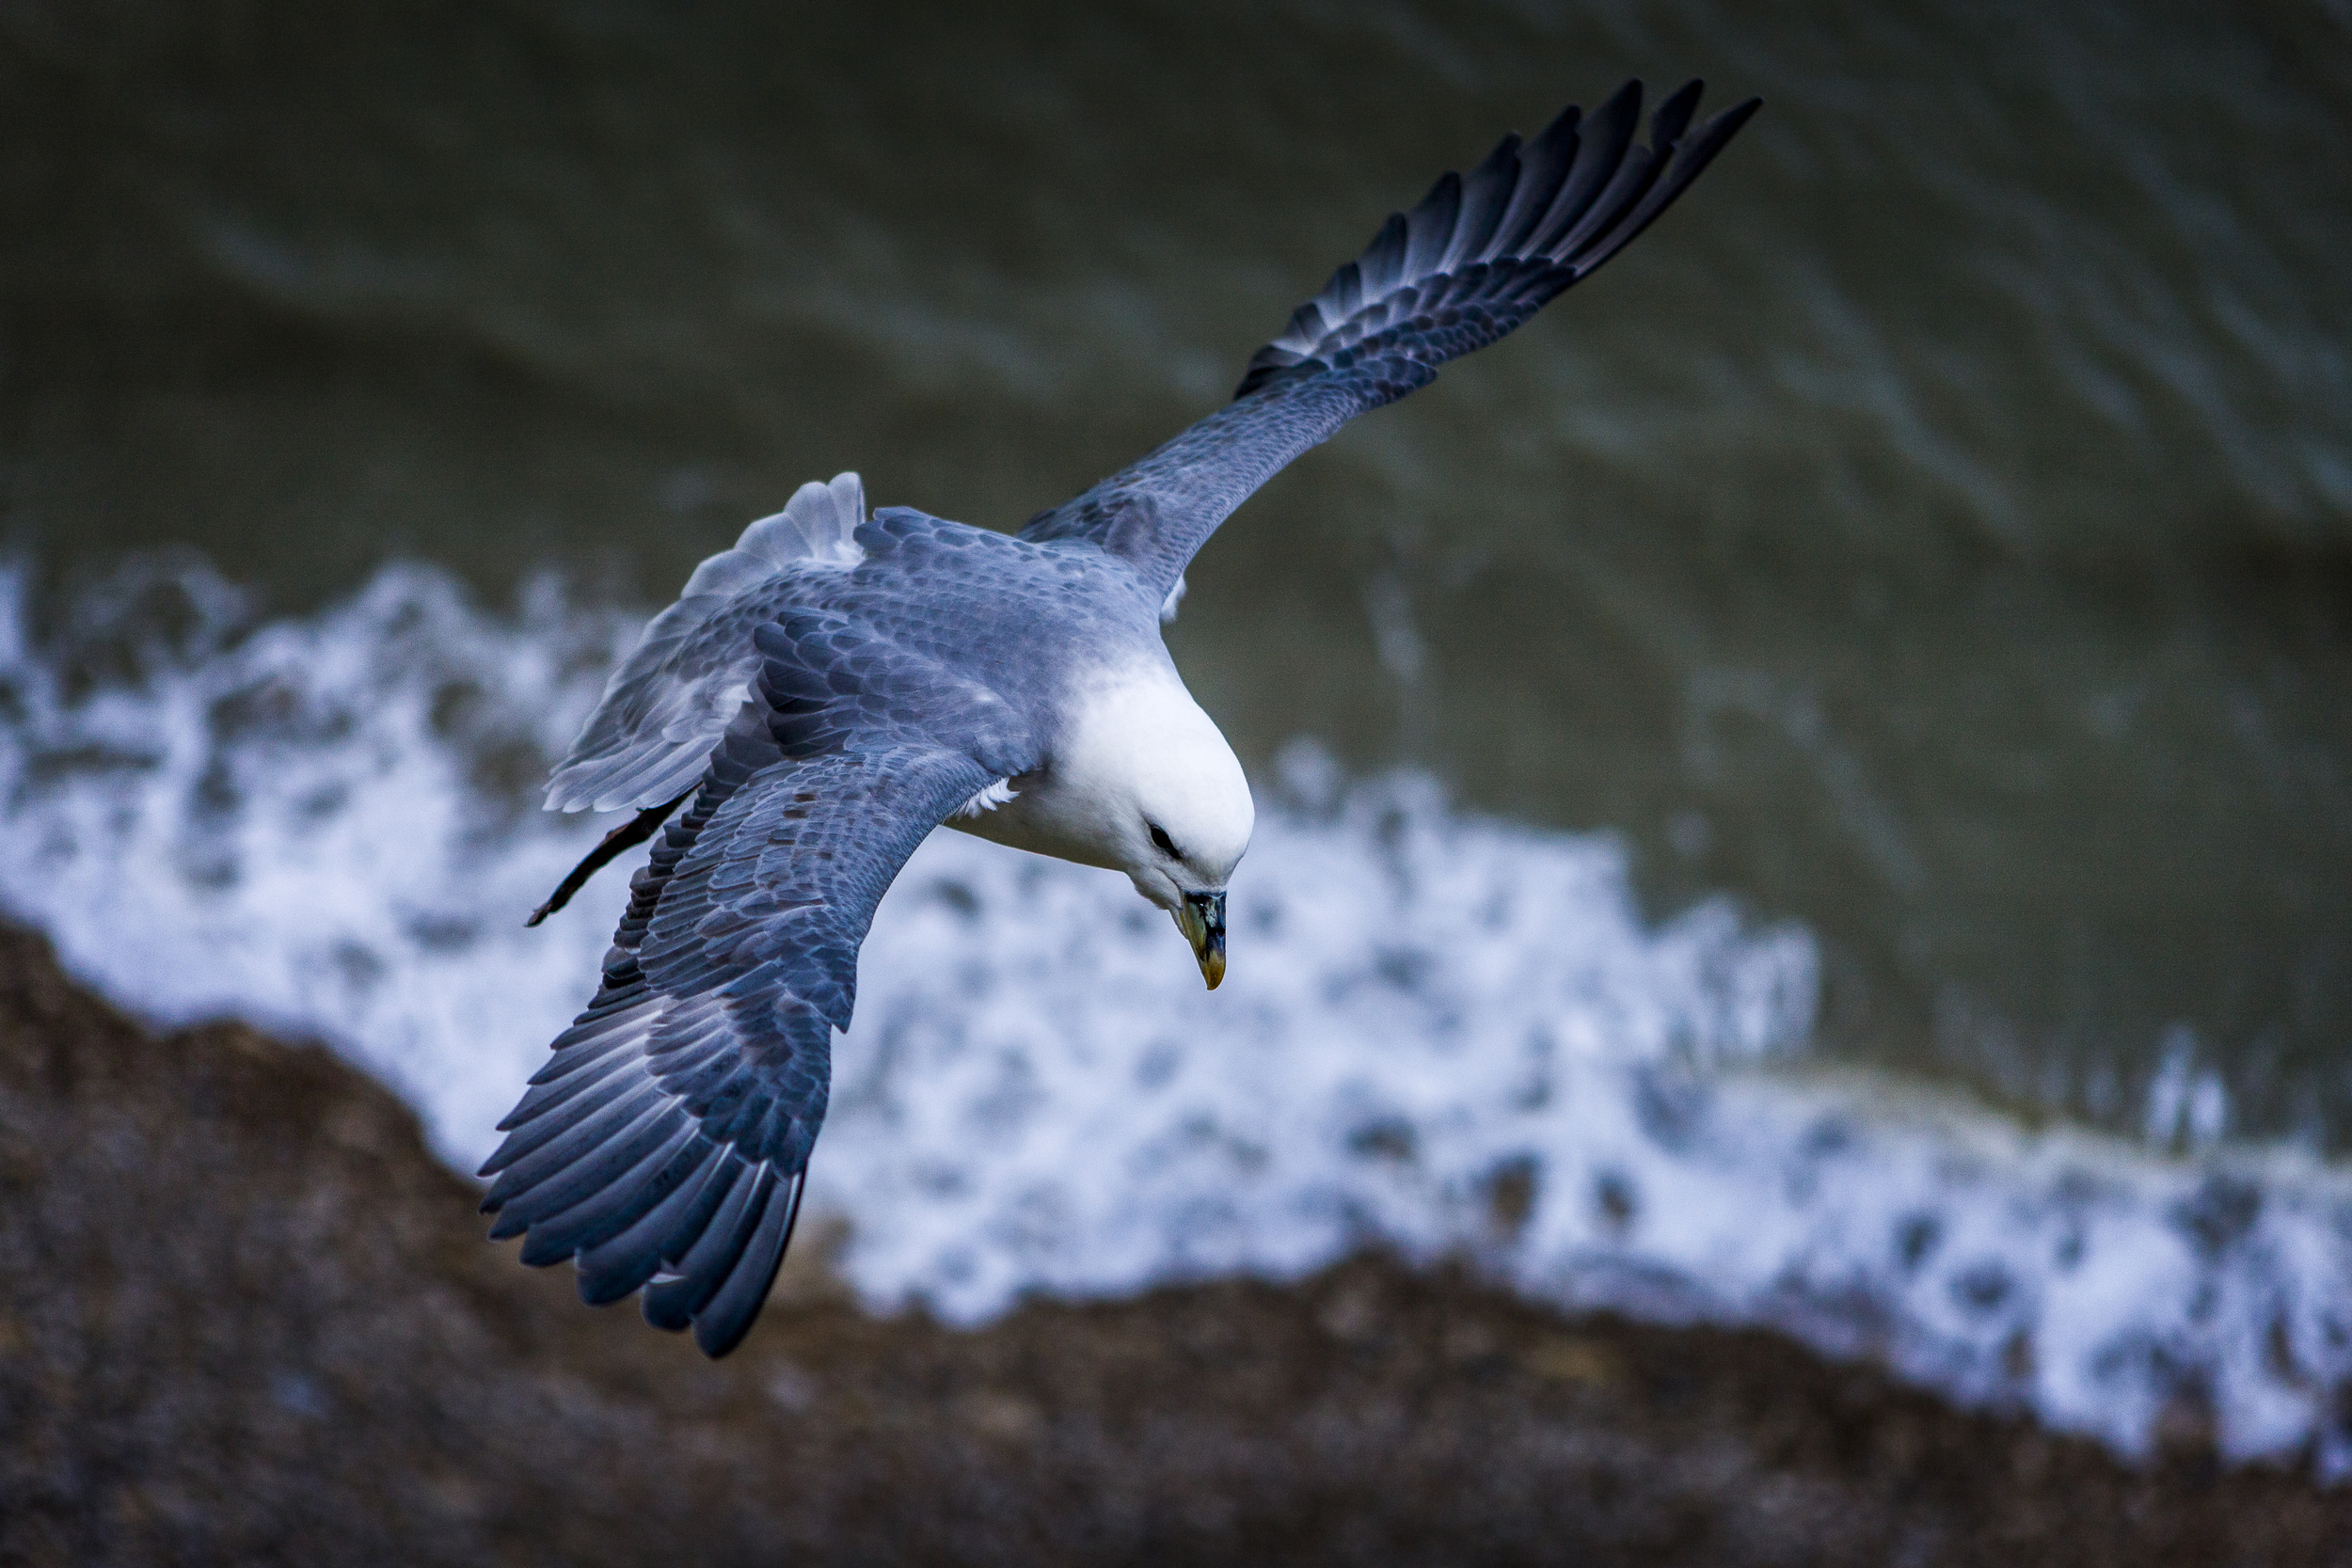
1811, 786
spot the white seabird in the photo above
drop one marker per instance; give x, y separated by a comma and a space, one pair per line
835, 687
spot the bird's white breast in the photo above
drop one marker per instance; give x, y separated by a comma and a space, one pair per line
1132, 742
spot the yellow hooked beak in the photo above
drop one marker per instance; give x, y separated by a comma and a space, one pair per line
1202, 918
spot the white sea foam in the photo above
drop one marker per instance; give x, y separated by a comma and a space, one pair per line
1441, 1034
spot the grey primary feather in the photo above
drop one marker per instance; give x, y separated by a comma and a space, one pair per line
827, 692
1473, 261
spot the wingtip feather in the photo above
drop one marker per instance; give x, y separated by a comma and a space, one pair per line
723, 1322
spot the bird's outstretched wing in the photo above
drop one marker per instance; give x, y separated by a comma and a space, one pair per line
1479, 256
666, 1141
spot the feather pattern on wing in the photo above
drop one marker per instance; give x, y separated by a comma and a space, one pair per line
1478, 257
666, 1142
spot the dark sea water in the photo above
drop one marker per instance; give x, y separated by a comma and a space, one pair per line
1935, 535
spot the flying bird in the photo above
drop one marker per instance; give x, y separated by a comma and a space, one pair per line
828, 691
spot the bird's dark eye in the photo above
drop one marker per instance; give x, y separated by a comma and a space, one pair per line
1159, 837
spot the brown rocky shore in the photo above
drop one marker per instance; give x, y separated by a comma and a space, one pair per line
245, 1317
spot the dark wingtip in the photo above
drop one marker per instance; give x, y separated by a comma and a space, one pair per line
1680, 159
1730, 120
723, 1322
1672, 117
1506, 153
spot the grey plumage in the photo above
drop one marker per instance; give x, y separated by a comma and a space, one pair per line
834, 686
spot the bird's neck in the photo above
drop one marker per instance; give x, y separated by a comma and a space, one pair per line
1130, 732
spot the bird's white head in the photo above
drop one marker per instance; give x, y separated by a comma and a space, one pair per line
1169, 802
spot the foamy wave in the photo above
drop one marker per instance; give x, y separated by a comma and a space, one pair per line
1441, 1034
302, 824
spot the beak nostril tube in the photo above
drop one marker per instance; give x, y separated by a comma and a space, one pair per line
1201, 919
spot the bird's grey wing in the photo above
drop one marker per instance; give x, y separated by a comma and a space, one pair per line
666, 1140
1479, 256
666, 704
